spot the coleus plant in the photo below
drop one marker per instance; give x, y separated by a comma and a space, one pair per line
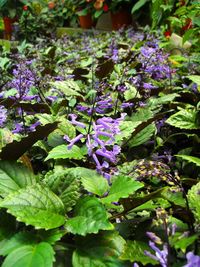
100, 179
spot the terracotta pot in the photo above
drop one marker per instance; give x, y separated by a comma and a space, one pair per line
7, 25
86, 21
121, 18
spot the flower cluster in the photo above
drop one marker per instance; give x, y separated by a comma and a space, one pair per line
100, 142
154, 62
147, 170
3, 116
24, 79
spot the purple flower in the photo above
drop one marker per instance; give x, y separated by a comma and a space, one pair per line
18, 128
3, 116
160, 255
154, 237
33, 126
74, 140
148, 86
24, 78
75, 122
100, 141
192, 260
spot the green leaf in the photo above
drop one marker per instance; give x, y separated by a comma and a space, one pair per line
6, 136
174, 197
18, 240
194, 200
40, 255
55, 139
142, 114
121, 187
143, 136
65, 184
134, 252
69, 87
102, 250
194, 78
130, 93
126, 129
45, 118
37, 206
190, 159
67, 128
51, 236
179, 241
62, 152
14, 176
184, 119
90, 217
93, 182
154, 102
138, 5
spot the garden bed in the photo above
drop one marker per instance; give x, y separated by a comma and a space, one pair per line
100, 151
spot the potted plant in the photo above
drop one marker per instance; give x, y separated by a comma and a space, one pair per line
120, 13
84, 11
9, 11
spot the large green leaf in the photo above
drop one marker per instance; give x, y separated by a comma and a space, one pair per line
143, 136
94, 182
14, 176
102, 250
184, 119
65, 184
194, 200
121, 187
62, 152
16, 241
90, 217
37, 206
190, 159
40, 255
134, 252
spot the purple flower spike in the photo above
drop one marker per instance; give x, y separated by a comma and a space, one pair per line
3, 116
77, 123
160, 255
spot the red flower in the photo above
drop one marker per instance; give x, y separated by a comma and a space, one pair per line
105, 8
51, 5
167, 34
25, 8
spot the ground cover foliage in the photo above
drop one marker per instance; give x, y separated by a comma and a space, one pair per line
99, 152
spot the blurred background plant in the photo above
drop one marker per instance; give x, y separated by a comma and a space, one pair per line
40, 18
